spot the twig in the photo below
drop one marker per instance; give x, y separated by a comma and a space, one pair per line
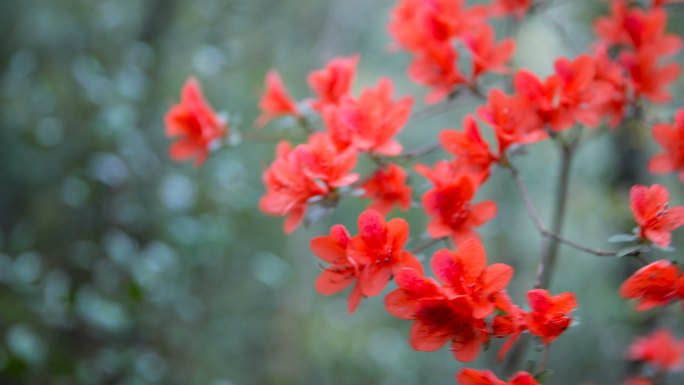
419, 151
426, 245
532, 211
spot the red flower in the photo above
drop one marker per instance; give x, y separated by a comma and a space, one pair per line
379, 252
655, 219
638, 28
487, 54
275, 100
297, 176
469, 147
648, 78
436, 67
511, 323
387, 188
516, 8
671, 138
660, 349
487, 377
416, 24
341, 271
465, 271
449, 205
572, 94
549, 316
514, 120
440, 316
371, 122
612, 73
195, 124
653, 285
333, 82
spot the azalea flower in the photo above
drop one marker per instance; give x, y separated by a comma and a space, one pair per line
656, 220
549, 315
195, 125
653, 285
671, 138
275, 100
660, 349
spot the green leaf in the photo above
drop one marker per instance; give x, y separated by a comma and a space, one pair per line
542, 376
630, 250
622, 238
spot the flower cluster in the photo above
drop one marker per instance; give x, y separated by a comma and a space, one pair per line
465, 303
429, 29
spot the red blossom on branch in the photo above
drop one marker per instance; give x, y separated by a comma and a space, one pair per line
370, 122
195, 125
454, 311
656, 220
653, 285
659, 349
275, 100
450, 206
387, 188
487, 377
332, 83
549, 315
298, 176
671, 138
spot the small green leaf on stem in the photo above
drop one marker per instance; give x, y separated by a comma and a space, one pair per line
622, 238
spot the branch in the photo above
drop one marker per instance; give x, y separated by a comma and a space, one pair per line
532, 211
426, 245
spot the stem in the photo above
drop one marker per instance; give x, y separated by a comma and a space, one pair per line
532, 211
550, 250
426, 245
418, 152
549, 244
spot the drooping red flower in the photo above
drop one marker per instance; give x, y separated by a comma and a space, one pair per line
333, 82
309, 171
648, 78
194, 123
275, 100
465, 271
511, 323
653, 285
468, 146
487, 54
516, 8
440, 316
513, 119
436, 67
450, 206
659, 349
655, 219
387, 188
671, 138
371, 122
341, 270
487, 377
549, 315
379, 252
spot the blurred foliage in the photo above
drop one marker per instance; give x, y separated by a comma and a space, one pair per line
119, 267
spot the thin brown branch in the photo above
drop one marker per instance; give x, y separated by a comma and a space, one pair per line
426, 245
532, 212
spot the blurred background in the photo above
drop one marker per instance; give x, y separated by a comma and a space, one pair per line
119, 266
